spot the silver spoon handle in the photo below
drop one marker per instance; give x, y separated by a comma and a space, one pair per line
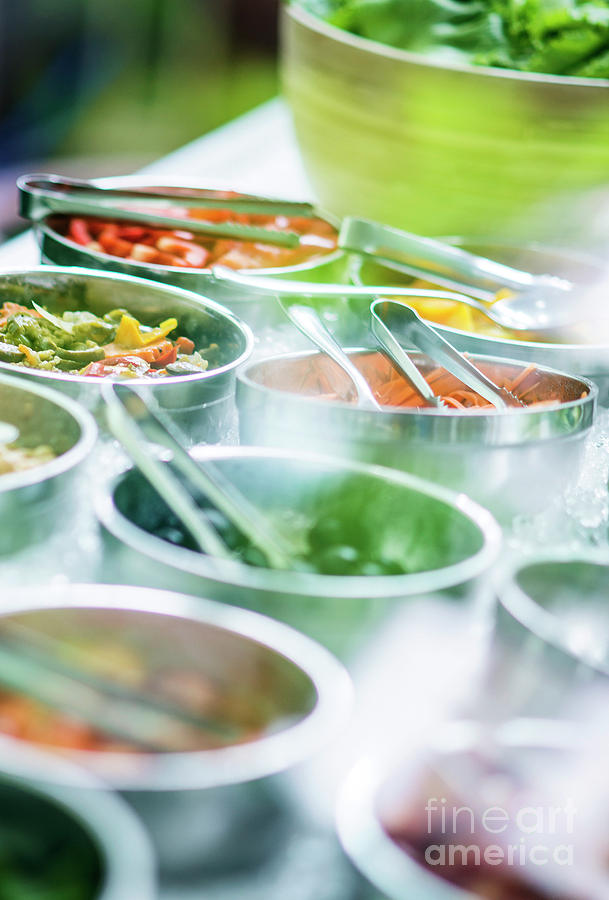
285, 287
308, 322
430, 256
415, 330
401, 359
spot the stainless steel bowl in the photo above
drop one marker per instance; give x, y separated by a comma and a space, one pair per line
447, 540
513, 462
209, 808
200, 404
255, 309
392, 871
36, 502
440, 149
551, 638
48, 798
587, 360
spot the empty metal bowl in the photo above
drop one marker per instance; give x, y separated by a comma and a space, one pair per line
256, 309
35, 502
52, 811
413, 792
513, 462
200, 404
551, 637
279, 696
440, 149
443, 540
587, 360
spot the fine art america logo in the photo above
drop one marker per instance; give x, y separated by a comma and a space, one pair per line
531, 835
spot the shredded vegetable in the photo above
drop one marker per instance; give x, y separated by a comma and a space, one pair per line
392, 389
186, 249
113, 345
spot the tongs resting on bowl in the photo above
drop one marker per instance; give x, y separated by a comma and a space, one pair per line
407, 327
135, 422
42, 194
39, 666
535, 303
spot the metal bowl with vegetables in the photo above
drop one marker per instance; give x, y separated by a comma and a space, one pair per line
48, 440
189, 708
405, 821
511, 461
361, 538
471, 332
181, 258
64, 835
434, 144
71, 328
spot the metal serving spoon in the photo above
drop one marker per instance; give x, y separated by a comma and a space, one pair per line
412, 330
286, 287
306, 319
538, 302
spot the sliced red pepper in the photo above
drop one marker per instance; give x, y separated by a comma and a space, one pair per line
132, 233
185, 345
169, 356
114, 364
79, 231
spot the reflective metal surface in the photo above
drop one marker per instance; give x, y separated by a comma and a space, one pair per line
36, 502
449, 540
395, 874
440, 149
513, 462
210, 808
58, 250
128, 868
200, 404
551, 635
587, 360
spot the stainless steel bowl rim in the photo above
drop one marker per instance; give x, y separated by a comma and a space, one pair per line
525, 610
364, 840
197, 300
494, 427
117, 833
236, 764
63, 462
379, 49
338, 587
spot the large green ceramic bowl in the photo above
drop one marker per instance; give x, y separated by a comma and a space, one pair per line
438, 149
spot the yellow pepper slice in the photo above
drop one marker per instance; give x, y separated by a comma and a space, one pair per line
31, 357
130, 336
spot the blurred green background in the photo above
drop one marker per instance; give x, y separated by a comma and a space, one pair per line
95, 87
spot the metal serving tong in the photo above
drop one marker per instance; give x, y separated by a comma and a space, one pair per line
43, 194
536, 302
134, 422
420, 334
405, 326
308, 322
35, 664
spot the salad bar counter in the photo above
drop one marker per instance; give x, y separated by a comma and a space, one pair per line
247, 467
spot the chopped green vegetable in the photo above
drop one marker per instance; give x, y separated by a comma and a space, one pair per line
557, 37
